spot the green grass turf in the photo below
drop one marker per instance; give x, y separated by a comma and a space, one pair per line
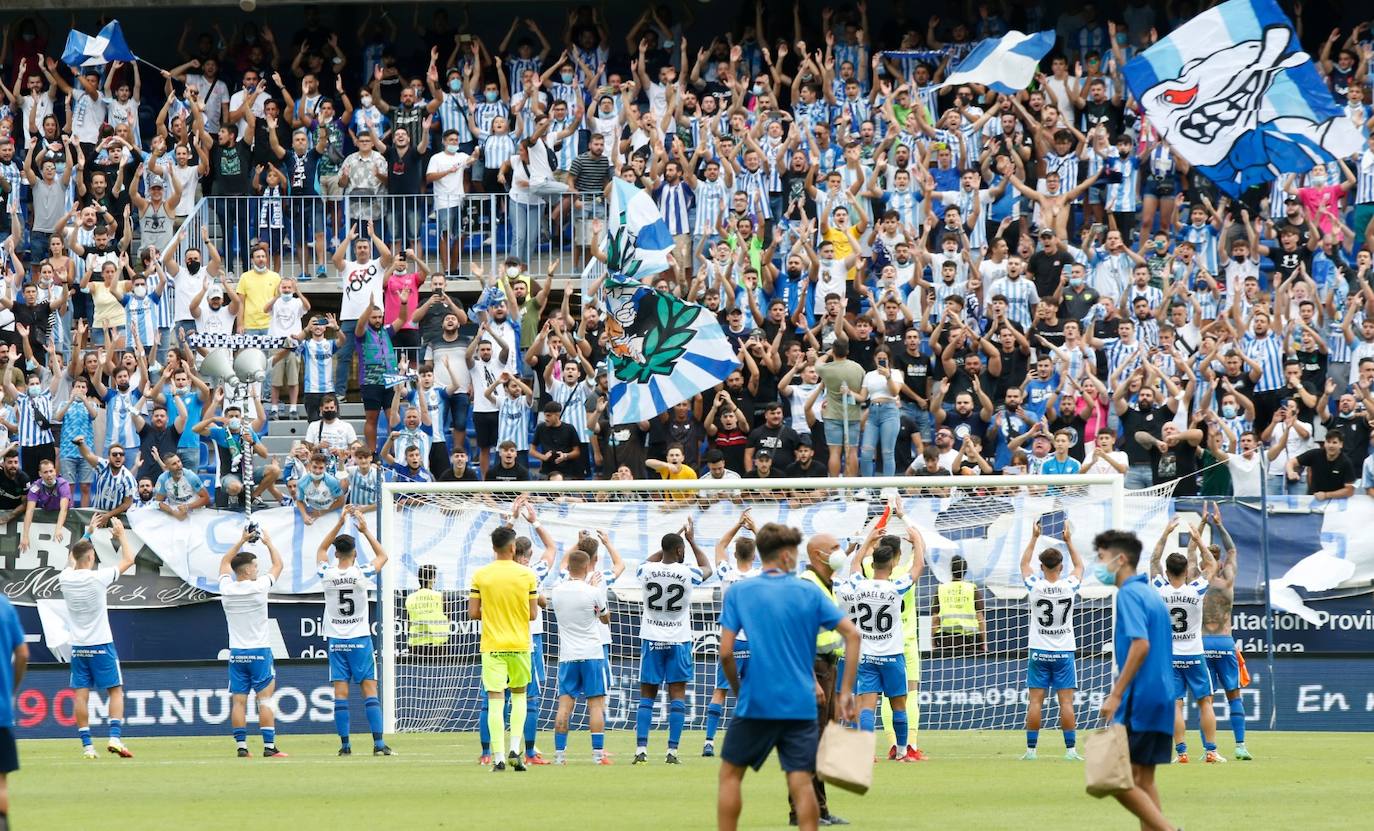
974, 781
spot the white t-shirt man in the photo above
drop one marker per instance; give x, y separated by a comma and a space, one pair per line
245, 610
448, 190
214, 321
337, 434
236, 101
360, 281
483, 375
286, 317
578, 606
84, 591
88, 115
185, 286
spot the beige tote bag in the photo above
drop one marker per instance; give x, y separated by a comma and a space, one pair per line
845, 758
1107, 765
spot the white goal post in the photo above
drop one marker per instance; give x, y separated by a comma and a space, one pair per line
986, 520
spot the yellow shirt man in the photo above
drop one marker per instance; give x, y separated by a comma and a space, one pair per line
257, 288
503, 597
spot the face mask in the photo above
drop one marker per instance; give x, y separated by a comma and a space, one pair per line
566, 77
456, 85
1106, 575
140, 291
451, 149
35, 390
1317, 181
1076, 282
366, 101
235, 425
757, 89
1122, 39
45, 283
836, 561
512, 271
329, 415
490, 96
1228, 411
315, 477
124, 387
259, 268
287, 295
193, 266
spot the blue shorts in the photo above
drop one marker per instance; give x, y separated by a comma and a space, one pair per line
741, 663
665, 663
835, 433
538, 673
251, 669
456, 417
449, 221
582, 679
1047, 670
749, 741
1222, 661
1190, 675
1149, 747
885, 674
77, 470
350, 659
96, 667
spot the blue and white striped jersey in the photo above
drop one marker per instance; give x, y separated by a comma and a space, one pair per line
317, 364
674, 202
119, 422
111, 487
30, 433
513, 420
1268, 352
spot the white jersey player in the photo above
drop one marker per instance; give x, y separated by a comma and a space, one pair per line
346, 626
95, 664
243, 593
524, 548
730, 570
876, 605
581, 610
665, 631
1182, 586
1049, 606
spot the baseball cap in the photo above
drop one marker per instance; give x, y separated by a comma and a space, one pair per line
1046, 232
215, 292
804, 440
764, 453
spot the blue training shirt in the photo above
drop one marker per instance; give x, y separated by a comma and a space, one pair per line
782, 614
11, 636
1147, 705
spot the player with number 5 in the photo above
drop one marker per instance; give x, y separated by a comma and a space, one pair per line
666, 632
876, 605
346, 626
1182, 586
1050, 602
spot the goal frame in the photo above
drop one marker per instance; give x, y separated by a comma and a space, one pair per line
390, 491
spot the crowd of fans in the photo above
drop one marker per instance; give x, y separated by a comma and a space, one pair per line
922, 279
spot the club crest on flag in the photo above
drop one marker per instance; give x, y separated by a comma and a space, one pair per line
648, 330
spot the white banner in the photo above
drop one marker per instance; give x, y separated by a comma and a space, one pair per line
990, 532
194, 547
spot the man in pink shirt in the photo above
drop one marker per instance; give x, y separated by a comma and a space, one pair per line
408, 272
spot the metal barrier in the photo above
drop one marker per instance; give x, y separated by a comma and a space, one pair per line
303, 232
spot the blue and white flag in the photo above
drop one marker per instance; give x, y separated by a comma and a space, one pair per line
1006, 64
1234, 94
638, 242
661, 350
109, 45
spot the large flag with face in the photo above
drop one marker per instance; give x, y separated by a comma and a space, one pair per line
661, 349
1006, 64
1234, 94
108, 46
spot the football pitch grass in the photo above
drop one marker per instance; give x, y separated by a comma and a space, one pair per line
973, 781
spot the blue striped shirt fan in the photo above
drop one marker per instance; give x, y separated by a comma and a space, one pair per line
1268, 353
513, 420
112, 487
317, 365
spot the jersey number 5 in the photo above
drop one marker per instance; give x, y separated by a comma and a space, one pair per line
346, 608
655, 598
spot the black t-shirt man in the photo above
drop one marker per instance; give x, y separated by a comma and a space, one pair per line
165, 440
1150, 421
405, 170
1045, 269
781, 441
499, 473
1327, 474
562, 438
12, 490
232, 166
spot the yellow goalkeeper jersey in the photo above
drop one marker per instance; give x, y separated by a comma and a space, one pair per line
505, 588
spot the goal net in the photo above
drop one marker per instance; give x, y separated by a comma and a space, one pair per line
432, 674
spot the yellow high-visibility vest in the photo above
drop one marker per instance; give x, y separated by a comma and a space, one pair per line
428, 623
958, 614
829, 642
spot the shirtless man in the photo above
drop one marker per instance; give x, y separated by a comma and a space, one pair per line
1218, 645
1055, 207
